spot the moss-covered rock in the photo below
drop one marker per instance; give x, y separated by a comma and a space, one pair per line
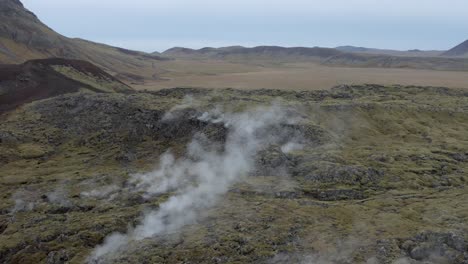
378, 174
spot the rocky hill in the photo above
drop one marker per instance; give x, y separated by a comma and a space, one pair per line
459, 50
24, 37
40, 79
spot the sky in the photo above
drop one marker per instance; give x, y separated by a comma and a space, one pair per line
156, 25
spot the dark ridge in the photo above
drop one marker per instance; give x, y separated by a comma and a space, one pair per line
79, 65
460, 49
36, 80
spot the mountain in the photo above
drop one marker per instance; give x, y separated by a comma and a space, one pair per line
325, 56
352, 49
260, 52
45, 78
23, 37
402, 53
362, 60
459, 50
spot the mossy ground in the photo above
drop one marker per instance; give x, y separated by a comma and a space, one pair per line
101, 84
408, 147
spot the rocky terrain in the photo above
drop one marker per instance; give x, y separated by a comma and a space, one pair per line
40, 79
355, 174
94, 171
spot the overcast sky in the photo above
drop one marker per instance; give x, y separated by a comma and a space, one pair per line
156, 25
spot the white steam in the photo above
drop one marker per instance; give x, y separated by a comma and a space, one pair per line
23, 202
188, 101
291, 146
203, 176
59, 197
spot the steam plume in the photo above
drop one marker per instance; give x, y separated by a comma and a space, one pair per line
203, 176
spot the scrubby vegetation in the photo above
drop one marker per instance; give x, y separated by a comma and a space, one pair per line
381, 177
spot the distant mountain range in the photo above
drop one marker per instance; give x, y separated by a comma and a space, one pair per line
343, 56
256, 52
459, 51
406, 53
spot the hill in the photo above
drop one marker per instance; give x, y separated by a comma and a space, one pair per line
24, 37
459, 50
385, 61
325, 56
405, 53
260, 52
44, 78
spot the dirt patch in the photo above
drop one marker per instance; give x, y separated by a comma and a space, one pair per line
36, 79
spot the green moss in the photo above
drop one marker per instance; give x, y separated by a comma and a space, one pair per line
415, 136
104, 85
